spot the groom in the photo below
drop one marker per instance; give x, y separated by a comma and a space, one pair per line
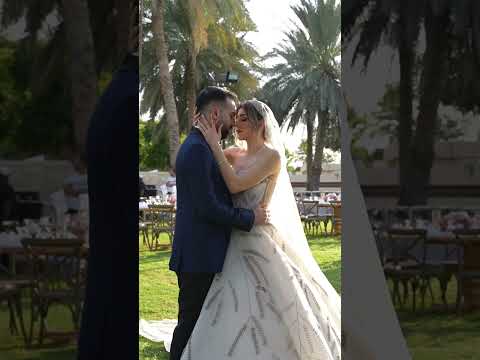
205, 215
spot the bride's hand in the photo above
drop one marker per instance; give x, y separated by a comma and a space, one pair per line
207, 128
196, 119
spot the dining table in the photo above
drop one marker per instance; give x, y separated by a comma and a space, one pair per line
11, 244
11, 247
445, 246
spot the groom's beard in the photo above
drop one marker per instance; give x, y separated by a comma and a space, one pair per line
225, 132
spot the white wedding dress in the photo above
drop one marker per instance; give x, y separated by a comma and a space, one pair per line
262, 305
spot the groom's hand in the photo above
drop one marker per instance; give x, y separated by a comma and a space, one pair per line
262, 215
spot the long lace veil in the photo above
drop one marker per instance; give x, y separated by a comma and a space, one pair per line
286, 219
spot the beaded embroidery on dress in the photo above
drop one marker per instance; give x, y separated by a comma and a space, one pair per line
262, 306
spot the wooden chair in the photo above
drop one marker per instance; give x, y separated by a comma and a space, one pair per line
312, 217
157, 219
325, 215
303, 215
146, 225
11, 292
164, 222
403, 265
56, 271
337, 218
467, 240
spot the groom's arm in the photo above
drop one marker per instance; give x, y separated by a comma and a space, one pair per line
205, 202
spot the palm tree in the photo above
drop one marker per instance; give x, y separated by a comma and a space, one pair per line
85, 28
305, 86
204, 37
166, 85
380, 23
226, 50
400, 25
141, 11
199, 16
81, 60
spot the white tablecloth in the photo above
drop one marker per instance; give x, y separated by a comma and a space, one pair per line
10, 240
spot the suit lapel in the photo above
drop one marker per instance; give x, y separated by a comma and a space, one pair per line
216, 170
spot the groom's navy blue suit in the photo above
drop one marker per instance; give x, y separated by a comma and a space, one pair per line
204, 221
205, 214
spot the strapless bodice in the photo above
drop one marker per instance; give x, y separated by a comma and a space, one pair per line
250, 198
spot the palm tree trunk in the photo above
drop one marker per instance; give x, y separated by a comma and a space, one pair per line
81, 62
433, 82
140, 47
122, 24
310, 127
319, 146
191, 84
476, 29
166, 84
405, 117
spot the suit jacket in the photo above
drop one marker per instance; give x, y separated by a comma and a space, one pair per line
110, 314
205, 213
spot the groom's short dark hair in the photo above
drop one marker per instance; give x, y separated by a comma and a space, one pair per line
211, 94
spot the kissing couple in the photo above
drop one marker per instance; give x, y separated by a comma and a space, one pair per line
249, 287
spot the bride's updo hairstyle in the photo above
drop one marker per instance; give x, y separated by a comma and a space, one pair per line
255, 117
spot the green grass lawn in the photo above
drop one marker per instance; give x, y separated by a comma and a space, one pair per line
430, 334
12, 347
436, 334
159, 291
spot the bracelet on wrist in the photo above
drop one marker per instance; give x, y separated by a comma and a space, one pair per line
221, 162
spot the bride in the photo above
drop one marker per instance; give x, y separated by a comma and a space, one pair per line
271, 300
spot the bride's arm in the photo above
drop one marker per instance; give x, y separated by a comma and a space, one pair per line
266, 165
230, 154
271, 183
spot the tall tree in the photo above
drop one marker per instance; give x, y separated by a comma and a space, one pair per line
81, 60
451, 28
85, 29
141, 12
226, 50
166, 85
200, 17
305, 85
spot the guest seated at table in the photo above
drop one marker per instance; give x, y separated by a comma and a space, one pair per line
76, 184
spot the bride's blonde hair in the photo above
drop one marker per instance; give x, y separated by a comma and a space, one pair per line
255, 117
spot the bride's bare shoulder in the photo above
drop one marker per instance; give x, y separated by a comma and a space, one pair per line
273, 156
270, 161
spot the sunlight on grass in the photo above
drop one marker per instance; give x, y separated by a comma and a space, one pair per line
159, 291
12, 346
433, 334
